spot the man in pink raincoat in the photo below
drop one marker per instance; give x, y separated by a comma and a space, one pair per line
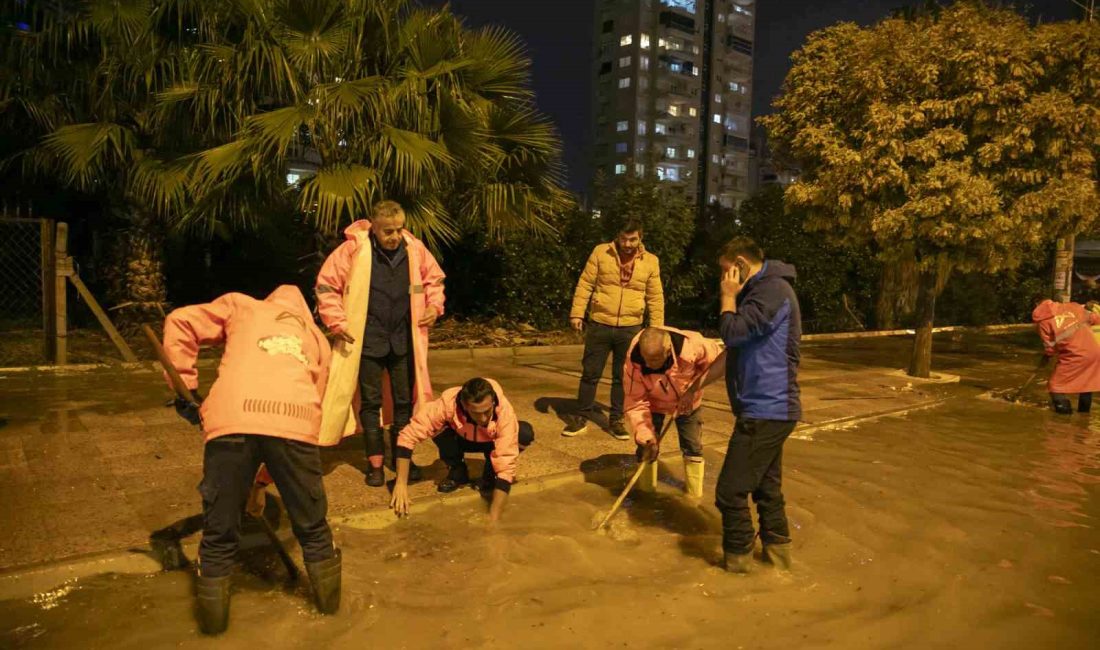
379, 292
1064, 329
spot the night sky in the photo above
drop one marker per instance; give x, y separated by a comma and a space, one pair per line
559, 35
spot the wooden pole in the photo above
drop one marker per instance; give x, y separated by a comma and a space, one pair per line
101, 316
62, 266
49, 323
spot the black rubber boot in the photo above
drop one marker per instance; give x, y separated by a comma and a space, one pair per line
324, 578
779, 555
1061, 404
376, 477
1084, 402
738, 562
457, 476
212, 604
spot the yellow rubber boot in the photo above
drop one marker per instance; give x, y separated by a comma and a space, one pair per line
647, 482
693, 476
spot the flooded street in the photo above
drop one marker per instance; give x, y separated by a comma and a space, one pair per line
971, 525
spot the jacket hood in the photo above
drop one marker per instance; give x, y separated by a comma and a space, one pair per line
780, 269
290, 297
1044, 311
361, 226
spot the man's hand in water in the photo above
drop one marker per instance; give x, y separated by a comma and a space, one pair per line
400, 500
500, 497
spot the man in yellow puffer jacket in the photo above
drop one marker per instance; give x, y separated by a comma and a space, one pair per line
619, 283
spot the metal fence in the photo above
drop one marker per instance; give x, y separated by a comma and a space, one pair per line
25, 246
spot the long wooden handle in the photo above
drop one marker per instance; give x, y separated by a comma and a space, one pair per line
637, 474
173, 375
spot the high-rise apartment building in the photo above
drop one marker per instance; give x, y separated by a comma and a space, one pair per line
673, 94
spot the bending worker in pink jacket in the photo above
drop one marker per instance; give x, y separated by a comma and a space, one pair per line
264, 407
475, 418
665, 372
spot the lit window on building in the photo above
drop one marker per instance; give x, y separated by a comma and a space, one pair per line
662, 43
639, 169
674, 110
742, 10
622, 125
734, 86
643, 42
670, 152
626, 40
693, 111
731, 124
644, 63
686, 5
691, 154
624, 82
717, 118
721, 18
641, 127
694, 49
675, 66
695, 71
620, 169
292, 178
717, 98
625, 61
620, 147
661, 128
714, 158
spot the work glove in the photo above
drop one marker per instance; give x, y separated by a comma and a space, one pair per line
188, 410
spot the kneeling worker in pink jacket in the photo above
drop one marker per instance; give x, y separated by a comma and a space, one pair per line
264, 407
475, 417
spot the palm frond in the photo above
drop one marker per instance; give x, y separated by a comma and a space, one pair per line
339, 193
81, 153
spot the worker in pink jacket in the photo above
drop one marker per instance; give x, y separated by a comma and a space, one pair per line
474, 418
264, 407
1064, 329
665, 372
379, 292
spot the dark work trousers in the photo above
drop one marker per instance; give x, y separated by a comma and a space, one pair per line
753, 466
452, 447
1061, 402
370, 395
229, 467
599, 341
690, 429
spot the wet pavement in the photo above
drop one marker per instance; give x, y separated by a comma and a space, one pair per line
968, 521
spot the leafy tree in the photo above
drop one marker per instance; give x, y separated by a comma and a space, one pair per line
958, 140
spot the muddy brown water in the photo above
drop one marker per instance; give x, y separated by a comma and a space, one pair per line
973, 525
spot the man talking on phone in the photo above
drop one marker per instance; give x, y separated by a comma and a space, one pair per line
762, 323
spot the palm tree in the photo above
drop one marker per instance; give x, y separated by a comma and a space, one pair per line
363, 100
201, 114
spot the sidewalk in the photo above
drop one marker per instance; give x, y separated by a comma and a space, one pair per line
93, 462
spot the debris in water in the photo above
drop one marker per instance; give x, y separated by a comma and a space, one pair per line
49, 599
1059, 580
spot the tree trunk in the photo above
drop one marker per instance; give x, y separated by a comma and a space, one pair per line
136, 286
920, 362
896, 295
1063, 268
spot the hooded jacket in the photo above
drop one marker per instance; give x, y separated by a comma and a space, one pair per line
446, 412
1064, 329
601, 292
765, 332
649, 392
343, 298
273, 370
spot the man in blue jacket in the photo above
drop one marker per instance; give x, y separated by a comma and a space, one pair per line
761, 323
